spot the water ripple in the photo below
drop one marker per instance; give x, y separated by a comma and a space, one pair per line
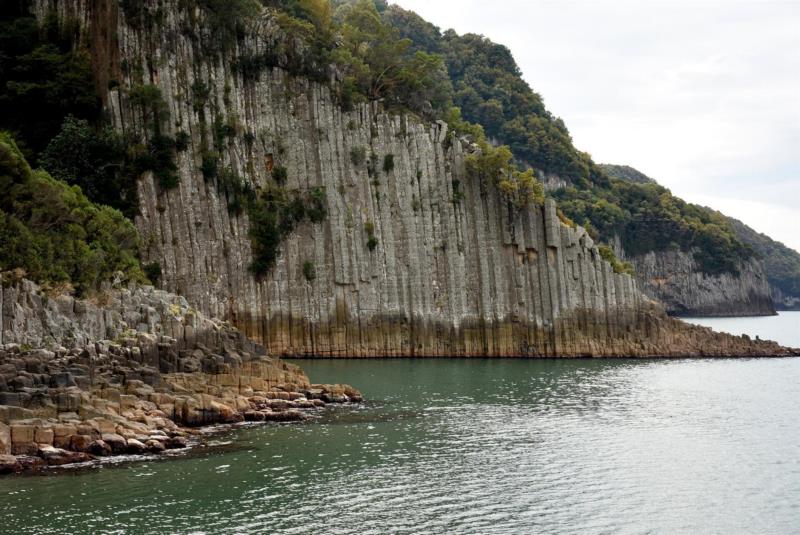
474, 447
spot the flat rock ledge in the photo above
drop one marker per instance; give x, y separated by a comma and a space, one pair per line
73, 406
143, 372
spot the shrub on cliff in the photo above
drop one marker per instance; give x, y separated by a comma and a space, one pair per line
54, 233
273, 215
616, 264
492, 166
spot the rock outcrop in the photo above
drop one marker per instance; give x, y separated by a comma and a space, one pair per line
781, 264
130, 373
674, 279
451, 270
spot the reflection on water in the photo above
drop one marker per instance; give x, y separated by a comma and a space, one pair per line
487, 446
783, 328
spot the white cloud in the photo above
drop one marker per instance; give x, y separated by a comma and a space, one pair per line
704, 96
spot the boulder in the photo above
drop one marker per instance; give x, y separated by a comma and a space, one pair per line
117, 443
30, 463
62, 380
254, 416
155, 446
44, 435
135, 447
22, 443
62, 434
81, 443
99, 448
58, 457
9, 464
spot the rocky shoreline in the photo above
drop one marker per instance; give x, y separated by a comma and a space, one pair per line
135, 370
140, 390
33, 444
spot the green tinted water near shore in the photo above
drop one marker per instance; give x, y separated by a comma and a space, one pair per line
478, 446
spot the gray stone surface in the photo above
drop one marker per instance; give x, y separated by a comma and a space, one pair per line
449, 277
674, 278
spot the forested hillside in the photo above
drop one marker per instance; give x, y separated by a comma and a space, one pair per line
488, 88
781, 264
367, 51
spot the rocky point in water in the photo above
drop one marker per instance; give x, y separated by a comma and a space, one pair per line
138, 373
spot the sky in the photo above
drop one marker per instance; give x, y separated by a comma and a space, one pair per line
703, 96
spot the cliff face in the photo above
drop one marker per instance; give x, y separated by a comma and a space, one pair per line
781, 264
456, 272
673, 278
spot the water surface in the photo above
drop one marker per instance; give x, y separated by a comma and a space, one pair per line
474, 446
783, 328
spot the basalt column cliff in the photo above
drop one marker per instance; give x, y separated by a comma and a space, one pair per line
415, 257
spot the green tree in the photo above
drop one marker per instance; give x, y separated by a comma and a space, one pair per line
94, 160
55, 234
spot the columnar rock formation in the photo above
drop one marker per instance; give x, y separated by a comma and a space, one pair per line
673, 278
456, 270
128, 374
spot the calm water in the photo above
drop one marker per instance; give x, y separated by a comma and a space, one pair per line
474, 446
783, 328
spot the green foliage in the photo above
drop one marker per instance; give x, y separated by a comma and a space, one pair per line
388, 163
375, 62
95, 160
279, 174
142, 15
209, 164
55, 234
458, 194
44, 78
223, 131
308, 271
619, 267
316, 209
151, 103
493, 166
381, 65
153, 272
273, 216
236, 189
158, 156
625, 172
372, 241
226, 21
182, 140
647, 217
358, 155
200, 94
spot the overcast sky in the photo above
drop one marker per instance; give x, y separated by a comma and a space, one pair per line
703, 96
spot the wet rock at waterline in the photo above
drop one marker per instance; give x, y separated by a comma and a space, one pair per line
143, 392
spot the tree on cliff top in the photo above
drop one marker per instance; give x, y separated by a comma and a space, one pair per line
381, 64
